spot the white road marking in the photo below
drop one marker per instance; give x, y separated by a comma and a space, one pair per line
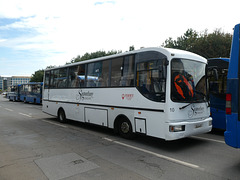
208, 139
25, 115
8, 109
55, 124
158, 155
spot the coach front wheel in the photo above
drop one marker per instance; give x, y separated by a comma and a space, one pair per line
62, 116
125, 128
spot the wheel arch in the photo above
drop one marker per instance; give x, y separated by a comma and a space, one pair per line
61, 109
117, 121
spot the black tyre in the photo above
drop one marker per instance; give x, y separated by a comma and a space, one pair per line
125, 128
62, 116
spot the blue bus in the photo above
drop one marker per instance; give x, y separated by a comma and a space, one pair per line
31, 92
14, 94
232, 133
217, 90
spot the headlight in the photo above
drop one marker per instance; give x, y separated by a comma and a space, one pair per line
210, 123
176, 128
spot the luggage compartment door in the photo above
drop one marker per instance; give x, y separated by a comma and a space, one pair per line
96, 116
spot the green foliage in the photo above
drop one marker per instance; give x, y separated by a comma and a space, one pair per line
216, 44
37, 76
131, 48
185, 42
93, 55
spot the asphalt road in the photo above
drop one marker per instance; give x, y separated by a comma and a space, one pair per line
33, 145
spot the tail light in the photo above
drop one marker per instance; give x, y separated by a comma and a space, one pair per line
228, 103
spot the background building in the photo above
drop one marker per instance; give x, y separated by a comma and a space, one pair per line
6, 82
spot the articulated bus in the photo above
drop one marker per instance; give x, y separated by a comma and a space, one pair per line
232, 133
217, 90
31, 92
152, 91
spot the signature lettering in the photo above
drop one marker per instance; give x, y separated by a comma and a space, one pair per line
195, 111
84, 95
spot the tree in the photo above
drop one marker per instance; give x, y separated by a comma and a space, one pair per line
93, 55
185, 42
131, 48
216, 44
37, 76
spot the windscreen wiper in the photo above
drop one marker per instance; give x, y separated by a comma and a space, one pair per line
185, 106
204, 95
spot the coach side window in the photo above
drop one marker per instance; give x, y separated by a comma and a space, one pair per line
127, 78
62, 78
55, 76
53, 80
46, 79
103, 79
81, 75
93, 73
59, 78
72, 76
122, 71
151, 79
116, 73
98, 74
76, 76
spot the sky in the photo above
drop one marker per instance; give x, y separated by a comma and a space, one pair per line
35, 34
